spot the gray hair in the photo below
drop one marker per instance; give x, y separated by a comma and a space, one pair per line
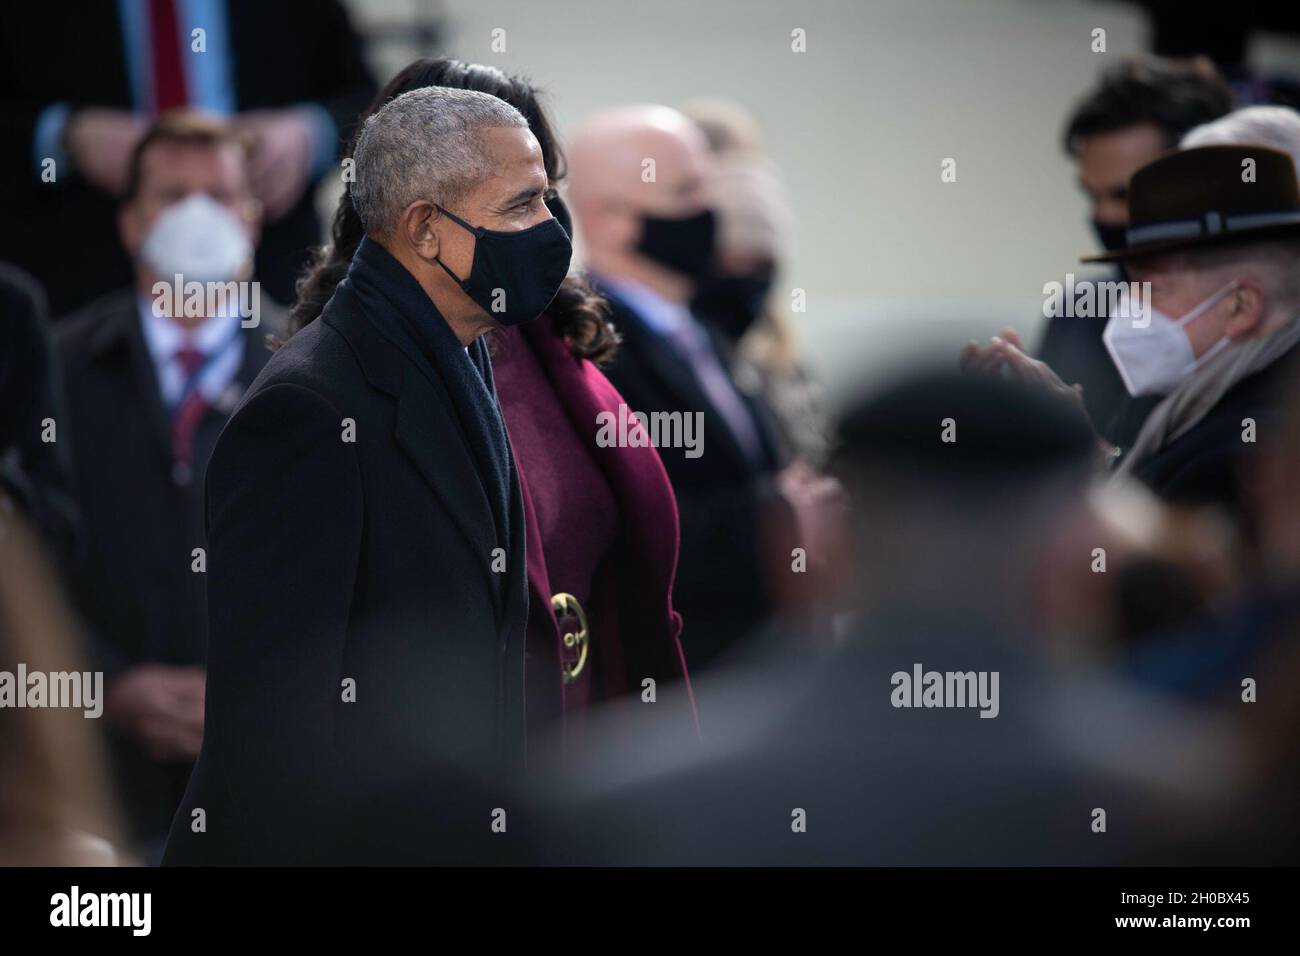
1276, 126
1277, 263
424, 144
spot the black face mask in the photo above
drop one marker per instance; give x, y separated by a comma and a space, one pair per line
561, 213
1111, 236
733, 303
515, 275
683, 245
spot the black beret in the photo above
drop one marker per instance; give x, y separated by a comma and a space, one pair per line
999, 428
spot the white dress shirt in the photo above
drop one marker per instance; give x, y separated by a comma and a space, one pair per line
217, 337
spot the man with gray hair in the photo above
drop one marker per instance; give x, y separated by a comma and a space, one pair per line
366, 572
1276, 126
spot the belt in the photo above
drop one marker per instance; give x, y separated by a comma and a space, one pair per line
566, 605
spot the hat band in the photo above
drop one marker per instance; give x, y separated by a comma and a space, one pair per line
1209, 224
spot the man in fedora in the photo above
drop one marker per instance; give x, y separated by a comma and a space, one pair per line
1215, 231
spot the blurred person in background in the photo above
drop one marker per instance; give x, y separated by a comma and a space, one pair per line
957, 553
649, 241
1215, 230
1139, 109
1222, 253
151, 380
35, 470
1243, 661
1167, 567
80, 88
601, 521
56, 803
1187, 583
1262, 641
1255, 635
755, 222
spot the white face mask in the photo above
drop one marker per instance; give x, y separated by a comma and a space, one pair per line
199, 239
1154, 358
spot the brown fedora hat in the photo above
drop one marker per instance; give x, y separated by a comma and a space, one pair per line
1191, 198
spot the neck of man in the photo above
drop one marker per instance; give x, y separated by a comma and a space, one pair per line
659, 279
462, 314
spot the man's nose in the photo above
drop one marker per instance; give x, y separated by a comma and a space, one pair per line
1110, 212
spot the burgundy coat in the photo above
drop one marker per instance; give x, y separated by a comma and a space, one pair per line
630, 611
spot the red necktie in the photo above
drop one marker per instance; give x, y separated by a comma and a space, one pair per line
186, 418
168, 77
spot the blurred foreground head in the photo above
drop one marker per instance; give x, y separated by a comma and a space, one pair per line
970, 499
968, 495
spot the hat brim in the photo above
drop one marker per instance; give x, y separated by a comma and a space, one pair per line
1146, 250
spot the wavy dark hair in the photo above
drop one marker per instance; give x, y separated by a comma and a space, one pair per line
579, 313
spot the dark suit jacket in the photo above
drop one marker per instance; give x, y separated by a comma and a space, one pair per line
33, 472
721, 589
284, 53
366, 561
133, 580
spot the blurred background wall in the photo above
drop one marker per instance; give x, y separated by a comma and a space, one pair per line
892, 259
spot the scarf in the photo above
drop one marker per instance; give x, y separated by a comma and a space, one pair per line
394, 299
1184, 407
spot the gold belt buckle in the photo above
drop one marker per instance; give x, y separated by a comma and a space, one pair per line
566, 604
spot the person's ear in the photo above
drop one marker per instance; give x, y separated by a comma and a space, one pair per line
416, 227
1247, 312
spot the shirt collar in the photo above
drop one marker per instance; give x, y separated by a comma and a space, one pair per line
164, 336
664, 316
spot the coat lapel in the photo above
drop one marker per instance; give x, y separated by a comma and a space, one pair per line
678, 379
646, 553
426, 428
427, 431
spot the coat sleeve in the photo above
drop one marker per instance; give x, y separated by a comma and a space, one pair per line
284, 511
34, 472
